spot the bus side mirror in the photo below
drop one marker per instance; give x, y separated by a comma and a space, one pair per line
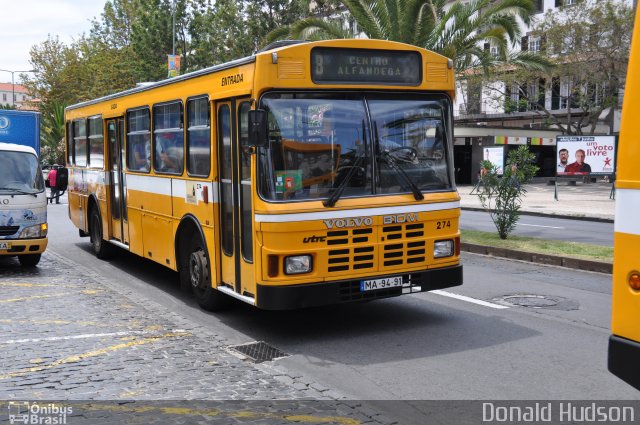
257, 128
62, 179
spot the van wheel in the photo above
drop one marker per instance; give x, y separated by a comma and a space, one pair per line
198, 276
30, 260
101, 248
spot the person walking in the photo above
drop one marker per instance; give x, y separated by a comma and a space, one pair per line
53, 177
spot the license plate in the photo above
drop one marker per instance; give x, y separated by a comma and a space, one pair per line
5, 245
384, 283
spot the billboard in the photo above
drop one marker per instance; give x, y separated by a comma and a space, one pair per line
495, 156
584, 155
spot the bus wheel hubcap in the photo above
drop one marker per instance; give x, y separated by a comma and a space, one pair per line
198, 269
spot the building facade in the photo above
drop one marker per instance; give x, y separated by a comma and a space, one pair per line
15, 95
507, 113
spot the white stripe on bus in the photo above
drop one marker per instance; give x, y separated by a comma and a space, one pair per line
283, 218
627, 206
149, 184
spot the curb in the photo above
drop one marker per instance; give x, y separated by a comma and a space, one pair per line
550, 215
532, 257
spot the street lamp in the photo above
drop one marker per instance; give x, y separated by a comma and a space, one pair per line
13, 85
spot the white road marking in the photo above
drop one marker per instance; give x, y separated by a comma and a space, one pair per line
82, 336
469, 299
539, 225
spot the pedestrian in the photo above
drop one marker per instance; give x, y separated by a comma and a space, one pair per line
53, 177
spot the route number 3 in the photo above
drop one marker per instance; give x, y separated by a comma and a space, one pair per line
443, 224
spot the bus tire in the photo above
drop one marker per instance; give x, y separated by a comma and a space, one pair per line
101, 248
198, 273
29, 260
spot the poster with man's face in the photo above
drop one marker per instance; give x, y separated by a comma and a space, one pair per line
585, 155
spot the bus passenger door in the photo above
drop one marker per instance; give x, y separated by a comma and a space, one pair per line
117, 189
235, 197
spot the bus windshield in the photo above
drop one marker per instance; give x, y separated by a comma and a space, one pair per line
357, 144
20, 173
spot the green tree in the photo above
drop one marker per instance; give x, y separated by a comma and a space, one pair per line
502, 195
456, 30
52, 133
217, 33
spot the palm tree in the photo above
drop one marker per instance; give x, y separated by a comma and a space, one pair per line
458, 30
52, 134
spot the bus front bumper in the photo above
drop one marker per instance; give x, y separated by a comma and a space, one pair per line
623, 360
23, 246
342, 291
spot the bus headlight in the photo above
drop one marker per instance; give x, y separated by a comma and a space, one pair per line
31, 232
297, 264
443, 248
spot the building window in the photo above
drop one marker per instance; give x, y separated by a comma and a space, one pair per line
4, 97
539, 6
534, 43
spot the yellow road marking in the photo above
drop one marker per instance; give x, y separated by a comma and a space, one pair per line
35, 297
132, 324
89, 354
36, 285
186, 411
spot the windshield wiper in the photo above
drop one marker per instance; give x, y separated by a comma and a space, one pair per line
333, 198
391, 162
22, 192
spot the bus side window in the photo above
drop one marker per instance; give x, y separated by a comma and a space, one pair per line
198, 137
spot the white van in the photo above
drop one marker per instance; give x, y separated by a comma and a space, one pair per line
23, 204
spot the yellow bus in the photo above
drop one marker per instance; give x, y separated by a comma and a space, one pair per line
307, 174
624, 343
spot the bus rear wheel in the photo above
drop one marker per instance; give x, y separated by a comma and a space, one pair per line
101, 248
198, 276
29, 260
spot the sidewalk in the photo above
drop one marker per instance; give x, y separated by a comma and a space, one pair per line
590, 200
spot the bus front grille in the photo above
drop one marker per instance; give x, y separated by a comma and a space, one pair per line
353, 250
359, 254
8, 230
404, 245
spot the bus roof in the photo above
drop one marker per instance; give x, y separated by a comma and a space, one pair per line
273, 47
149, 86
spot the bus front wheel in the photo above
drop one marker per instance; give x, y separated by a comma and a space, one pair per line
101, 248
198, 274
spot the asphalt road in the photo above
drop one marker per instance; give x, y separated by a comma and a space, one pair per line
591, 232
423, 346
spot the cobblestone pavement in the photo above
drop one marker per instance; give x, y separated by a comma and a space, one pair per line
69, 334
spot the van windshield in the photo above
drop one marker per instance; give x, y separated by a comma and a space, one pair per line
20, 172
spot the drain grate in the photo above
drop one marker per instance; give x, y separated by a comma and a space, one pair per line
537, 301
259, 352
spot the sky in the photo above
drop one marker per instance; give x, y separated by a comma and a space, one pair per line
25, 23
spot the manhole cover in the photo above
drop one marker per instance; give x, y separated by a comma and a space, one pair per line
259, 351
537, 301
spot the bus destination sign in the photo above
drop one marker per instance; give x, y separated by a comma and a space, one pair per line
365, 66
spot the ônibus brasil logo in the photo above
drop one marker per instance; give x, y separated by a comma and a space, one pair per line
24, 412
4, 123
